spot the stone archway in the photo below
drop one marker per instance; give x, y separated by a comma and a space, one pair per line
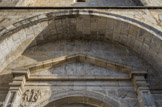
143, 39
92, 99
77, 101
43, 27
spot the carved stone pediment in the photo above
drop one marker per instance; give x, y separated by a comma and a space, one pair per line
88, 66
77, 67
79, 60
80, 68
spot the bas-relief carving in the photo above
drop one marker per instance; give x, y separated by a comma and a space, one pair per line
80, 68
32, 95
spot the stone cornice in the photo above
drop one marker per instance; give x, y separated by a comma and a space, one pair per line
81, 58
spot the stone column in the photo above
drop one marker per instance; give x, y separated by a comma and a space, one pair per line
14, 95
142, 88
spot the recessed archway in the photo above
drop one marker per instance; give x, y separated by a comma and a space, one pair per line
78, 102
92, 99
79, 24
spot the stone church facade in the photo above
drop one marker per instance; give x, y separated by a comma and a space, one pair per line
81, 53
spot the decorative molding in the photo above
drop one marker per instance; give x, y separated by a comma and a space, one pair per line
141, 86
82, 58
74, 58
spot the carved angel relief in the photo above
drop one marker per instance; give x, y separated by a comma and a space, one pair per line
31, 95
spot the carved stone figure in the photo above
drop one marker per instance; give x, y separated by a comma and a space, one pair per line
37, 95
26, 95
31, 95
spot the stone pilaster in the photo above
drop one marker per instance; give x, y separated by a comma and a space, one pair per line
142, 88
16, 88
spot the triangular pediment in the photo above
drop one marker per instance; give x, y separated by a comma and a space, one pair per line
80, 68
80, 60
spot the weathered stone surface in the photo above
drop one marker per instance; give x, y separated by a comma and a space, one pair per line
160, 17
111, 35
74, 3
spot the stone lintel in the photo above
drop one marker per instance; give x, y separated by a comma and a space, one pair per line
77, 78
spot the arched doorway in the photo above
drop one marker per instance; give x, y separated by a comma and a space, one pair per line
80, 99
77, 102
